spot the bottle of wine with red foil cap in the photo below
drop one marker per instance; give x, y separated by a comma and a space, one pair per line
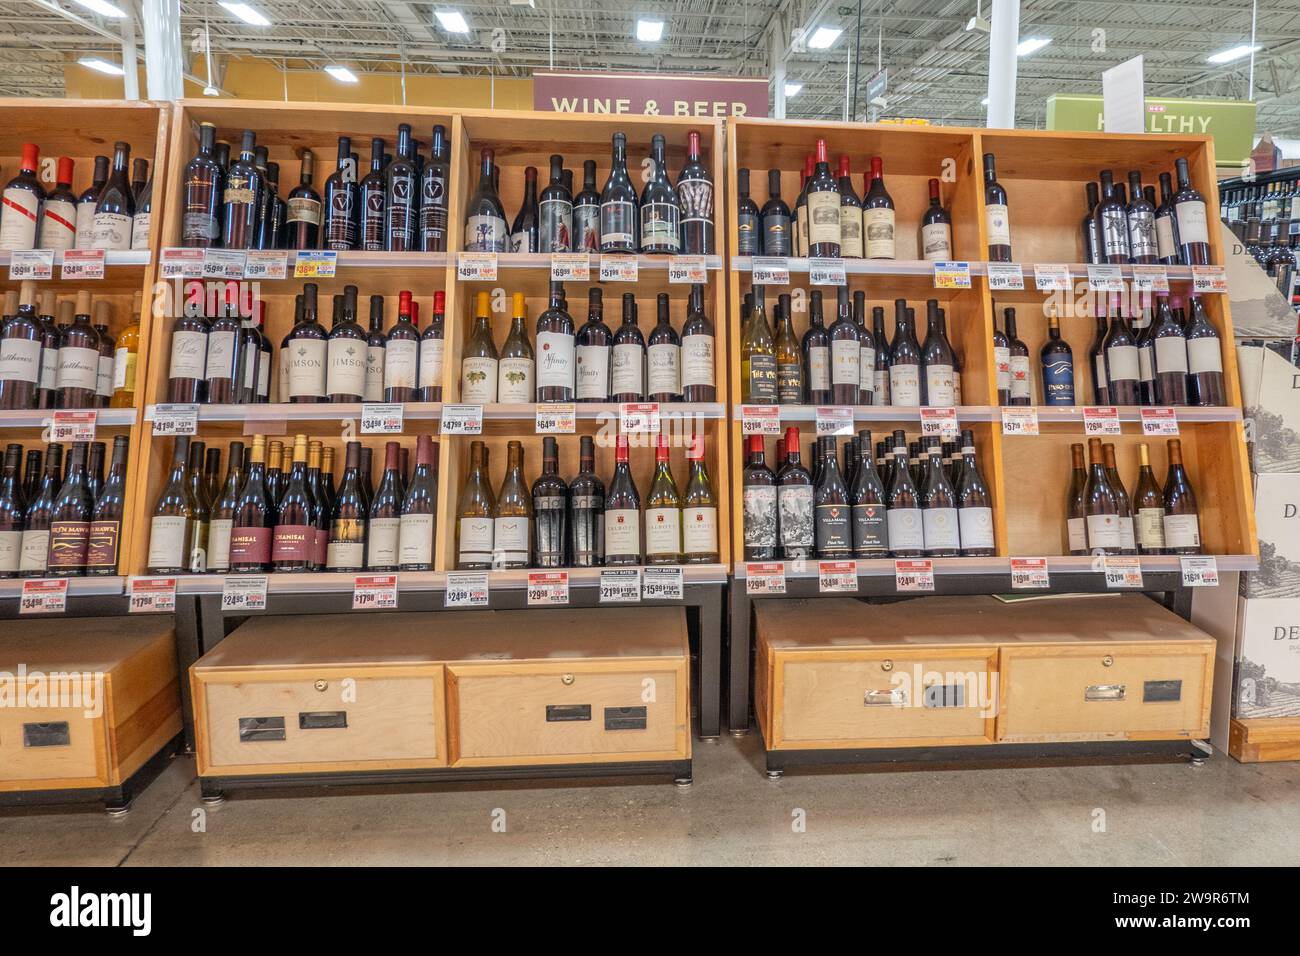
429, 377
823, 208
879, 236
851, 241
58, 226
622, 511
24, 198
794, 502
936, 229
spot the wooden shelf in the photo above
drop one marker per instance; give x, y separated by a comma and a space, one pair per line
96, 586
923, 267
1056, 564
42, 417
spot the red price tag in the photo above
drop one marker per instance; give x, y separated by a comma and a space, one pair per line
44, 596
1029, 573
83, 264
1101, 420
939, 421
837, 576
1019, 420
1159, 421
914, 575
73, 426
638, 417
548, 588
373, 592
765, 577
760, 420
1209, 279
147, 595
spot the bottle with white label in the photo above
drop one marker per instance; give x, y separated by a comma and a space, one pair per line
1182, 517
307, 347
78, 375
1127, 534
816, 348
997, 220
1076, 510
12, 518
697, 351
938, 360
556, 363
224, 368
23, 199
115, 208
1101, 505
142, 221
20, 352
1018, 372
188, 361
107, 348
345, 374
663, 512
418, 526
1204, 359
663, 357
512, 519
1192, 225
1148, 508
1123, 370
515, 375
432, 350
58, 228
974, 503
904, 360
627, 357
878, 215
172, 524
385, 513
377, 352
221, 520
622, 511
936, 229
699, 509
85, 222
475, 515
593, 345
479, 362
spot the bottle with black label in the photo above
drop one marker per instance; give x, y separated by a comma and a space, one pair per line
1112, 222
749, 230
555, 231
550, 505
434, 179
400, 185
867, 498
833, 513
619, 229
1141, 223
524, 234
776, 232
586, 212
1091, 238
1056, 360
586, 531
340, 201
70, 519
241, 197
660, 212
371, 201
758, 357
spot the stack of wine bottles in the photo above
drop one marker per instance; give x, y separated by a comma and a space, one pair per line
665, 218
400, 205
1137, 227
58, 356
113, 213
591, 363
583, 524
879, 502
847, 363
270, 513
228, 358
63, 519
1102, 518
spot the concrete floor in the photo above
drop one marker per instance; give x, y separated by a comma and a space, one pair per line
1223, 813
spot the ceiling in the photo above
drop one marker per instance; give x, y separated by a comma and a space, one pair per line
937, 69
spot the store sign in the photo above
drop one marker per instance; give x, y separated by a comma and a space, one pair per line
650, 94
1230, 122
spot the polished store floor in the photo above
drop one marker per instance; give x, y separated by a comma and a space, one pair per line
1171, 814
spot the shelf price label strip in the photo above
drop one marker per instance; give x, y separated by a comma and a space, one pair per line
374, 592
73, 426
1029, 574
244, 592
662, 584
462, 419
175, 419
1200, 572
760, 419
556, 418
31, 264
1101, 420
381, 418
837, 577
44, 596
81, 264
1019, 420
150, 595
914, 575
548, 588
1159, 421
570, 266
1122, 571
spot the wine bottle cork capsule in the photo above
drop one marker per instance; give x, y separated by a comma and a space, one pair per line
27, 293
83, 302
47, 303
103, 312
11, 302
66, 313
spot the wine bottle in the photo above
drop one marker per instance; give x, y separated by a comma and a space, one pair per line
1112, 222
660, 213
1101, 505
550, 510
1181, 520
878, 215
197, 545
1192, 227
241, 197
622, 511
816, 349
429, 378
851, 245
586, 535
95, 469
78, 375
663, 511
1122, 366
801, 207
664, 355
1141, 223
346, 354
1056, 362
85, 211
1092, 246
347, 535
555, 232
1127, 539
304, 220
555, 350
619, 229
845, 353
275, 211
904, 360
24, 198
20, 352
776, 229
880, 394
593, 344
695, 194
308, 348
225, 504
938, 360
371, 201
58, 225
401, 183
340, 201
1167, 245
794, 502
40, 509
1170, 357
936, 229
1143, 328
396, 354
759, 504
486, 229
697, 372
293, 543
904, 521
475, 515
833, 515
224, 366
1204, 359
867, 499
997, 221
586, 212
512, 518
107, 347
13, 507
974, 503
1076, 503
823, 212
940, 524
749, 221
202, 186
627, 363
789, 356
70, 518
524, 235
254, 516
275, 472
172, 526
1148, 507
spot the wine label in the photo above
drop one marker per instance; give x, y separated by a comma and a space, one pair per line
304, 209
1147, 362
282, 389
555, 361
663, 532
881, 391
104, 378
976, 527
35, 551
430, 374
1191, 222
700, 530
345, 554
49, 368
622, 532
776, 235
834, 528
1104, 532
58, 229
124, 364
760, 516
69, 542
1142, 234
850, 232
1122, 363
486, 234
870, 528
415, 539
696, 196
219, 533
347, 367
586, 228
555, 232
221, 355
86, 225
1150, 527
1058, 380
939, 385
1126, 537
618, 224
998, 224
593, 372
1114, 233
936, 242
697, 360
18, 218
141, 227
307, 359
940, 529
382, 543
1203, 355
819, 373
1002, 358
478, 380
625, 370
846, 356
11, 549
1182, 531
250, 546
294, 542
20, 360
263, 375
111, 231
823, 217
167, 542
476, 540
878, 224
1018, 368
905, 385
795, 515
78, 368
663, 372
1171, 354
515, 381
661, 226
375, 355
1166, 243
1077, 531
906, 529
1099, 369
866, 369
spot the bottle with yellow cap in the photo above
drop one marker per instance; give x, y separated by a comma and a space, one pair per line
479, 361
515, 373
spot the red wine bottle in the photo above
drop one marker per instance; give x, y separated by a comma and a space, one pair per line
586, 531
429, 378
294, 540
20, 352
622, 511
1192, 226
346, 355
70, 520
794, 503
550, 504
878, 216
619, 229
347, 542
78, 375
627, 364
340, 201
58, 226
13, 506
24, 198
758, 485
1204, 359
996, 218
225, 366
201, 187
845, 353
400, 185
660, 212
242, 197
816, 348
822, 197
417, 527
695, 193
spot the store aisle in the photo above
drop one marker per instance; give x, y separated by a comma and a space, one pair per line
1224, 813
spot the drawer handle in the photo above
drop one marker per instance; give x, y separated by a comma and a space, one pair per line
893, 697
252, 729
322, 685
322, 720
625, 718
53, 734
1104, 692
562, 713
886, 665
1107, 661
566, 679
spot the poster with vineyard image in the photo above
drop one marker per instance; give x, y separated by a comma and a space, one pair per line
1277, 518
1270, 395
1268, 670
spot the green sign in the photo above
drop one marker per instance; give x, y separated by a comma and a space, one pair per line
1230, 122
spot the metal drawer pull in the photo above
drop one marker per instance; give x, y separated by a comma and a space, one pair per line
322, 720
53, 734
252, 729
1162, 691
893, 697
559, 713
1104, 692
625, 718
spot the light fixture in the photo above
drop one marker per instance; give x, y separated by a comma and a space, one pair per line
979, 21
1234, 53
453, 21
103, 8
101, 65
823, 37
1031, 45
211, 91
649, 31
341, 73
246, 13
792, 89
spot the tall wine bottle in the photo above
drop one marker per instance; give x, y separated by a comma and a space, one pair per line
794, 503
997, 221
593, 343
512, 518
695, 193
1056, 360
475, 515
486, 229
586, 532
241, 197
940, 524
221, 517
974, 504
663, 356
384, 510
340, 201
627, 362
663, 511
660, 212
1182, 517
878, 215
1148, 507
845, 352
758, 487
1101, 505
1204, 359
401, 185
524, 235
1127, 538
172, 526
13, 507
294, 541
346, 550
904, 360
816, 348
619, 229
622, 511
550, 509
905, 522
1076, 522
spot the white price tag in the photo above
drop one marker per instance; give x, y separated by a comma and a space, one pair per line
381, 418
73, 426
1150, 279
826, 272
31, 264
620, 585
44, 596
914, 575
556, 418
146, 595
760, 419
1105, 278
374, 592
318, 264
175, 419
1019, 420
618, 269
1029, 573
244, 592
770, 270
224, 263
266, 264
1200, 572
1004, 276
1052, 277
638, 417
548, 588
1159, 421
570, 266
766, 577
462, 419
182, 263
1209, 279
466, 589
662, 584
835, 576
939, 421
835, 420
1122, 571
952, 275
82, 264
1101, 420
688, 269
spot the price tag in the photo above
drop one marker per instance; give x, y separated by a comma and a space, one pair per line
31, 264
1029, 573
837, 576
82, 264
1122, 571
835, 420
244, 592
462, 419
559, 418
952, 275
689, 269
620, 585
1105, 278
570, 266
760, 420
466, 589
548, 588
73, 426
381, 418
175, 419
1004, 276
618, 269
1159, 421
1150, 279
826, 272
770, 270
1101, 420
44, 596
765, 578
638, 417
1052, 277
146, 595
320, 264
914, 575
1200, 572
1209, 279
266, 264
939, 421
661, 584
374, 592
182, 263
224, 263
1019, 420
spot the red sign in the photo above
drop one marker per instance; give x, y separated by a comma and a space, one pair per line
650, 94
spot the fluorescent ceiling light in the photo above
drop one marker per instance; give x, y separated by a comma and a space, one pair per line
1031, 45
101, 65
792, 89
453, 21
246, 13
103, 8
823, 37
341, 73
649, 31
1235, 53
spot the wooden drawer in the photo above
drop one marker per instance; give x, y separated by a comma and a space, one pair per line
587, 710
1106, 691
60, 745
327, 718
877, 697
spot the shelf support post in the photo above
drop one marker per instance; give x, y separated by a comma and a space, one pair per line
162, 49
1003, 38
